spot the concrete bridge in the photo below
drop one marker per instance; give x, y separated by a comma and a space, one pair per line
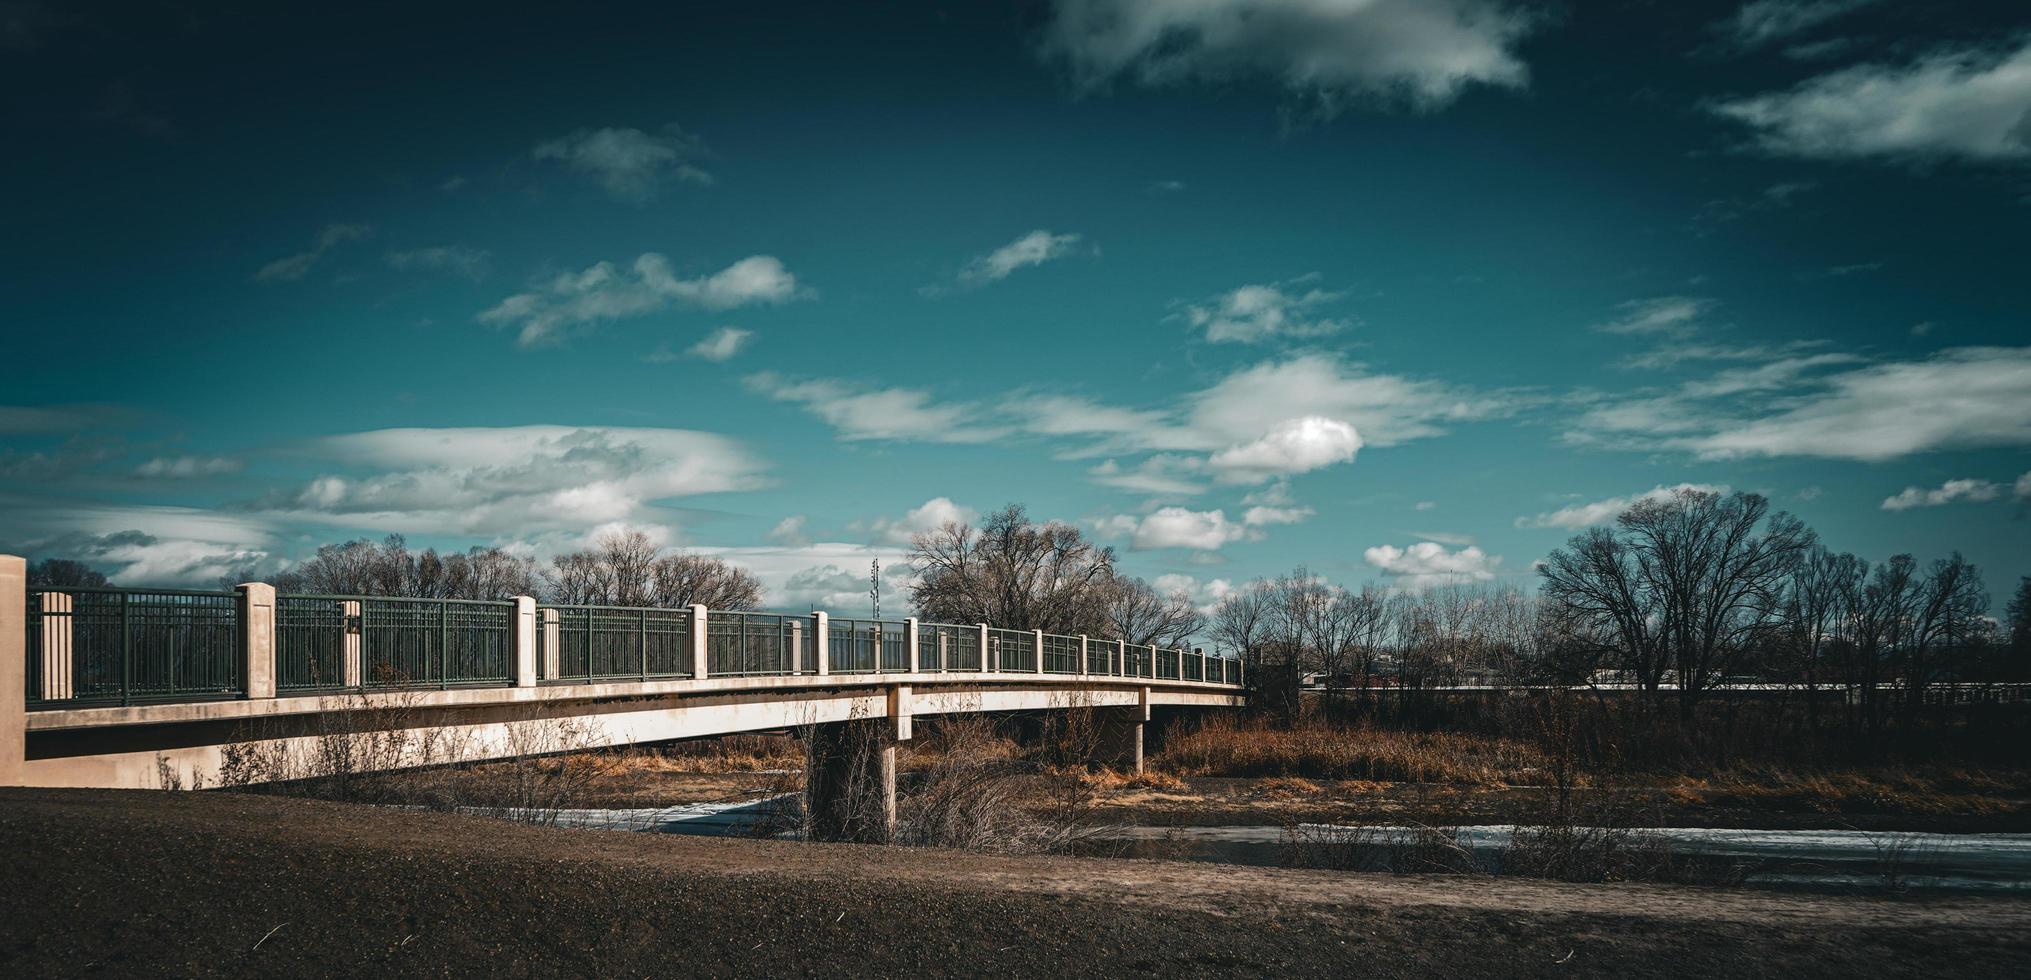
151, 688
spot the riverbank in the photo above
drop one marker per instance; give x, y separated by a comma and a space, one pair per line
212, 884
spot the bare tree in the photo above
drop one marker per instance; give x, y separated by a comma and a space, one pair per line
1139, 614
1816, 604
389, 568
1951, 615
1690, 582
626, 567
63, 573
1013, 572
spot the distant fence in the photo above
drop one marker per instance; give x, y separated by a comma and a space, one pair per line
102, 646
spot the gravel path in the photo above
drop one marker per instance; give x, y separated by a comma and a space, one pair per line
102, 883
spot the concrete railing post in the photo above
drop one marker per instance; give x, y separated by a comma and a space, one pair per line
1037, 647
349, 642
525, 641
910, 637
700, 669
1120, 658
13, 669
553, 637
986, 662
1084, 666
821, 642
257, 638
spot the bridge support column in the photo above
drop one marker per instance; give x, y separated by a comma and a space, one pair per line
1120, 740
257, 638
850, 781
13, 668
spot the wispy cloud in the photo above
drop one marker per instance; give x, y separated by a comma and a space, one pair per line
472, 263
630, 164
1251, 314
1032, 249
1576, 516
1667, 316
1331, 54
722, 344
859, 412
604, 292
1762, 22
1972, 491
291, 268
1956, 103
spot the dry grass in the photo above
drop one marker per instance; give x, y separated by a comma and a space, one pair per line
1150, 779
1315, 749
727, 754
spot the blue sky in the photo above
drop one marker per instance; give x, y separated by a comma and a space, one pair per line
1404, 292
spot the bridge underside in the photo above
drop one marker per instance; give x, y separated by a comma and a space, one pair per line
204, 744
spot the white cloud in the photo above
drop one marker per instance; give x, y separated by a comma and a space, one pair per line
1164, 473
1763, 21
831, 576
1578, 516
1965, 398
1419, 53
1292, 446
2021, 490
472, 263
604, 292
926, 517
1261, 516
1973, 491
1426, 504
1428, 563
1177, 527
519, 480
294, 267
187, 467
721, 344
876, 413
137, 544
1967, 103
1251, 314
790, 531
1670, 316
1385, 409
1205, 595
1035, 248
1962, 398
629, 163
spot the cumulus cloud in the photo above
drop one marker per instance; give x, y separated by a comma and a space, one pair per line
858, 412
1973, 491
721, 344
187, 467
1577, 516
472, 263
929, 516
292, 268
1428, 564
1966, 103
1177, 527
605, 292
630, 164
1763, 21
1199, 530
790, 531
1292, 446
1251, 314
1331, 53
514, 480
1036, 248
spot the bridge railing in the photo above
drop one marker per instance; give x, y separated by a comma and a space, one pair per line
89, 647
131, 646
943, 647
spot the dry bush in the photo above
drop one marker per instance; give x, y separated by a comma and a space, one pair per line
1110, 779
1318, 749
974, 793
727, 754
1288, 788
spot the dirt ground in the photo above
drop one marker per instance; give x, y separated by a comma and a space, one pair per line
103, 883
